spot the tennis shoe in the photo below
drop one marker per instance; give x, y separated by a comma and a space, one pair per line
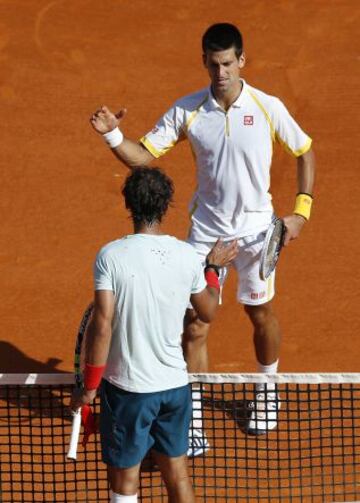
198, 443
264, 412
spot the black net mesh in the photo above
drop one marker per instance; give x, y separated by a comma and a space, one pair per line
312, 455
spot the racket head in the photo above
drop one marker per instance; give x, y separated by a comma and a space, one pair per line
274, 241
79, 356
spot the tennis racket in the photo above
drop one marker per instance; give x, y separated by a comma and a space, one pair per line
274, 241
79, 364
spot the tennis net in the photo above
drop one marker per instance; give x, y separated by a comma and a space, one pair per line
313, 455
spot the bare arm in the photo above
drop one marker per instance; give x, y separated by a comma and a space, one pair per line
98, 340
306, 172
305, 184
99, 329
129, 152
206, 302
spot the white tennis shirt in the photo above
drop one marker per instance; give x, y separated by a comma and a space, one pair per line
152, 278
233, 152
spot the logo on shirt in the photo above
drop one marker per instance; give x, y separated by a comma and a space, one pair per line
155, 130
248, 120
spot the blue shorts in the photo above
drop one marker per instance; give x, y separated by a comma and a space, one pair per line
133, 423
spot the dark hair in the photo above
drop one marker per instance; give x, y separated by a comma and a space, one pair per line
222, 36
148, 193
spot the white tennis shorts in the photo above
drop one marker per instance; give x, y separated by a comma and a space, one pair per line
251, 289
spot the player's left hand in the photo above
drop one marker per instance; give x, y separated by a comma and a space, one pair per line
294, 225
222, 254
82, 397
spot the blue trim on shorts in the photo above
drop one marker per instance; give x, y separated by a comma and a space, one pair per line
132, 423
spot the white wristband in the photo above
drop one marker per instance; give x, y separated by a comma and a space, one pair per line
114, 138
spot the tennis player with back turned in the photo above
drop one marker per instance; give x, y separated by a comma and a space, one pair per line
231, 127
143, 283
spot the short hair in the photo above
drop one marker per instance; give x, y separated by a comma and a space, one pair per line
148, 193
222, 36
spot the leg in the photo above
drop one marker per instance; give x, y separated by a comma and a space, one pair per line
124, 482
256, 295
196, 356
266, 333
125, 422
195, 342
176, 477
267, 343
195, 331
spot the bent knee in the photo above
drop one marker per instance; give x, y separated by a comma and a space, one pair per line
175, 483
123, 481
260, 315
175, 477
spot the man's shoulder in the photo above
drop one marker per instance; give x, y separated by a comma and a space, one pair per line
189, 252
112, 247
183, 247
186, 246
194, 100
260, 95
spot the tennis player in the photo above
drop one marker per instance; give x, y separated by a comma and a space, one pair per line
143, 283
231, 127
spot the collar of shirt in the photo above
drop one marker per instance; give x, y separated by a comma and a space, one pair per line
214, 105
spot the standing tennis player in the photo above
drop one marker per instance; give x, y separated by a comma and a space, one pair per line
231, 127
143, 283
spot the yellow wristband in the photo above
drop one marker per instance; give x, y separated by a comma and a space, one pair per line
303, 205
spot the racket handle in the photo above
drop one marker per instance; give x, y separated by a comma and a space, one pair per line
75, 433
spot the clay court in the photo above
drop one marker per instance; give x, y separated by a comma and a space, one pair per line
60, 185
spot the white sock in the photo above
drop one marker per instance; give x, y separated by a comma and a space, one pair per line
267, 369
197, 412
119, 498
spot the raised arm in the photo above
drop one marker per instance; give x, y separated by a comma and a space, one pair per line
131, 153
206, 302
305, 185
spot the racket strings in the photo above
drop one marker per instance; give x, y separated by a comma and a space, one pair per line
274, 246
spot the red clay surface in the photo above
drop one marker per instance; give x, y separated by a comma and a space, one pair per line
60, 185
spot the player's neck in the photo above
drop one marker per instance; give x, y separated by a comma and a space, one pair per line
145, 228
227, 98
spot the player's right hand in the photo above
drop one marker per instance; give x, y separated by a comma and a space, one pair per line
80, 398
104, 121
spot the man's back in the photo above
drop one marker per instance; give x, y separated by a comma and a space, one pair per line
152, 277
